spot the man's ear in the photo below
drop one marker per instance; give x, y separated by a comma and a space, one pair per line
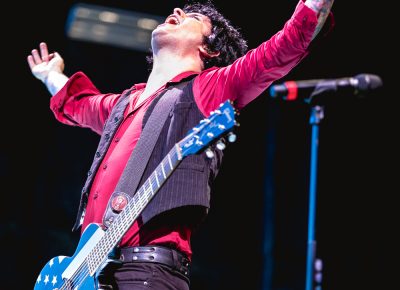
205, 53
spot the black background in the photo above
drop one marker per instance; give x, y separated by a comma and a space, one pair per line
256, 234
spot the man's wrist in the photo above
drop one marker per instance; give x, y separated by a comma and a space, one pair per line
55, 81
322, 9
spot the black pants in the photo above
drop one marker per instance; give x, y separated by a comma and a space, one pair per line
144, 275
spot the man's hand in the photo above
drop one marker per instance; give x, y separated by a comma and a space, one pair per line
48, 68
43, 63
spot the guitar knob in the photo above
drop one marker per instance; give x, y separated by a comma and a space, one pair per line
221, 145
231, 137
209, 153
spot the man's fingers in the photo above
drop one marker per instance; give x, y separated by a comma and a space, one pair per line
42, 57
51, 56
31, 61
44, 51
36, 56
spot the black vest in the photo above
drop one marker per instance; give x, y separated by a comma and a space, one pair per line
189, 185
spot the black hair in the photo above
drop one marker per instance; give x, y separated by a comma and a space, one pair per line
224, 38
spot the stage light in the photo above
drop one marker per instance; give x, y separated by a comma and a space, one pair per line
111, 26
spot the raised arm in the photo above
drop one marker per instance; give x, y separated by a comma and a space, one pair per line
48, 68
322, 8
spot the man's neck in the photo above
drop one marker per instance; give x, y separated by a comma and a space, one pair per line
165, 68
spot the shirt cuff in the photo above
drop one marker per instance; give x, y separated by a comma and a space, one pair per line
76, 84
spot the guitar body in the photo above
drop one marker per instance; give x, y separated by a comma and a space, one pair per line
63, 272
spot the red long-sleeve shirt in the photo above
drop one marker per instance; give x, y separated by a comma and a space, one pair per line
80, 103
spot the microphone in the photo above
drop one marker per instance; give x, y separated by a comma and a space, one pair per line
307, 89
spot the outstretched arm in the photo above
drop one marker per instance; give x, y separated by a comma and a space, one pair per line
48, 68
323, 8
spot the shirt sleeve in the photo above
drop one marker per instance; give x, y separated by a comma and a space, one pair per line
254, 72
80, 103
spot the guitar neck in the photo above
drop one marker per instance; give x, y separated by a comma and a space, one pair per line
135, 206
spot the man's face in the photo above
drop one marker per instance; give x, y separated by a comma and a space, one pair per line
184, 31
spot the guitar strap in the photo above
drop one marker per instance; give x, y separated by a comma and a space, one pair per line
132, 174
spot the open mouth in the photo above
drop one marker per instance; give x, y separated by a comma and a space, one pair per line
172, 19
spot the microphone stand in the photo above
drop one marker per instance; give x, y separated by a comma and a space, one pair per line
316, 116
314, 266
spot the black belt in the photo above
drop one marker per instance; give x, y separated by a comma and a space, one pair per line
156, 254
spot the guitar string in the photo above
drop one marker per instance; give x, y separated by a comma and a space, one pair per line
82, 273
83, 270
